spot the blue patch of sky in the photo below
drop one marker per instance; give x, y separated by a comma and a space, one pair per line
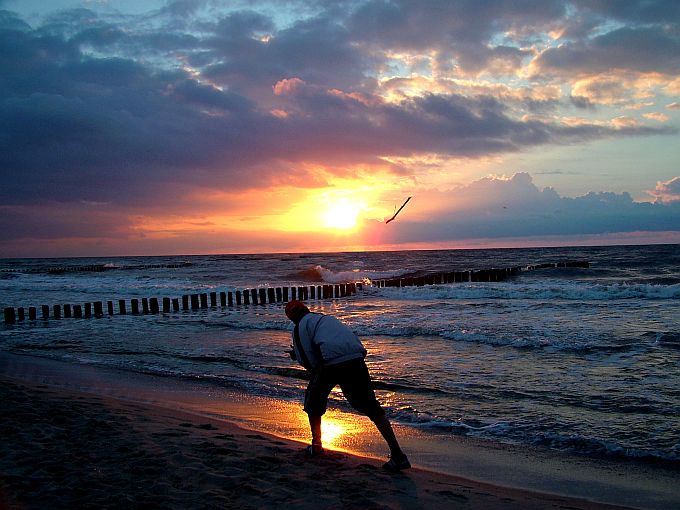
628, 164
36, 9
284, 14
607, 26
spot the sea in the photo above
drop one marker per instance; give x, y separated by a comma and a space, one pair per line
584, 360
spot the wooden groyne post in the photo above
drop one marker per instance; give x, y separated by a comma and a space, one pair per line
10, 315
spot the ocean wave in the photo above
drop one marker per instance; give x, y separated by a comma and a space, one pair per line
209, 358
311, 274
574, 344
599, 447
498, 430
245, 324
664, 338
515, 433
552, 290
66, 346
482, 338
318, 274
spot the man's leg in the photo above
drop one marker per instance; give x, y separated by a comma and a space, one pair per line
315, 425
385, 428
357, 387
316, 399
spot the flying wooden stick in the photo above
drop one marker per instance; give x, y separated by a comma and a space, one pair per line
398, 211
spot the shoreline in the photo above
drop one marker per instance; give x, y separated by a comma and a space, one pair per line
49, 382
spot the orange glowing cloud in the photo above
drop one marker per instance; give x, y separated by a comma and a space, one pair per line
288, 86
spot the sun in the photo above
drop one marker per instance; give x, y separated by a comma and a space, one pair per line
341, 215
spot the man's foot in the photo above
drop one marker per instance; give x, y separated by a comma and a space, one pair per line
396, 464
314, 450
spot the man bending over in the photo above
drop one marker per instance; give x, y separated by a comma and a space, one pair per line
333, 355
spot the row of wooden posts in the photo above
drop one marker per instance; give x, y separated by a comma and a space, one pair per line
265, 295
187, 302
482, 275
96, 268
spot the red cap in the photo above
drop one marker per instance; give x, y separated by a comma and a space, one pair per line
294, 309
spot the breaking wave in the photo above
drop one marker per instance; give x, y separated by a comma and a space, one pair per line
320, 274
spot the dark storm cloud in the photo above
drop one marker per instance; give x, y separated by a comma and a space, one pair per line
460, 30
78, 127
649, 11
454, 125
418, 25
54, 221
11, 21
638, 49
318, 50
183, 8
582, 103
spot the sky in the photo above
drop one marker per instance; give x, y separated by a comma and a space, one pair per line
206, 126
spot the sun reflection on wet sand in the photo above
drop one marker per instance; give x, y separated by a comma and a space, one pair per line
341, 431
331, 431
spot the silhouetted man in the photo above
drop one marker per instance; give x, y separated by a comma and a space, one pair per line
334, 355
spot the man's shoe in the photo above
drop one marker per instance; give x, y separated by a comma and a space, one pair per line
397, 464
314, 450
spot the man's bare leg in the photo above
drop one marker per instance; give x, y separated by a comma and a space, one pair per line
385, 428
398, 460
315, 426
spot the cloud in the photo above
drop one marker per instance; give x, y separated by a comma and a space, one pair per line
506, 207
637, 49
150, 112
605, 89
625, 122
459, 31
657, 116
667, 191
248, 54
81, 126
655, 11
288, 86
56, 221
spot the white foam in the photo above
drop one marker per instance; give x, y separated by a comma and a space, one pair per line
355, 275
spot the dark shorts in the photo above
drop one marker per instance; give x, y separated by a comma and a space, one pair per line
355, 382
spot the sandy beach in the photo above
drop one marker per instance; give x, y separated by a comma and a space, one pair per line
71, 449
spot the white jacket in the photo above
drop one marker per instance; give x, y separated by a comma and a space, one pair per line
326, 341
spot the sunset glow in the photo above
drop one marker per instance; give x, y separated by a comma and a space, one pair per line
557, 123
341, 215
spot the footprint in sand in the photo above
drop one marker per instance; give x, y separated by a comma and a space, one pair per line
255, 436
452, 495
